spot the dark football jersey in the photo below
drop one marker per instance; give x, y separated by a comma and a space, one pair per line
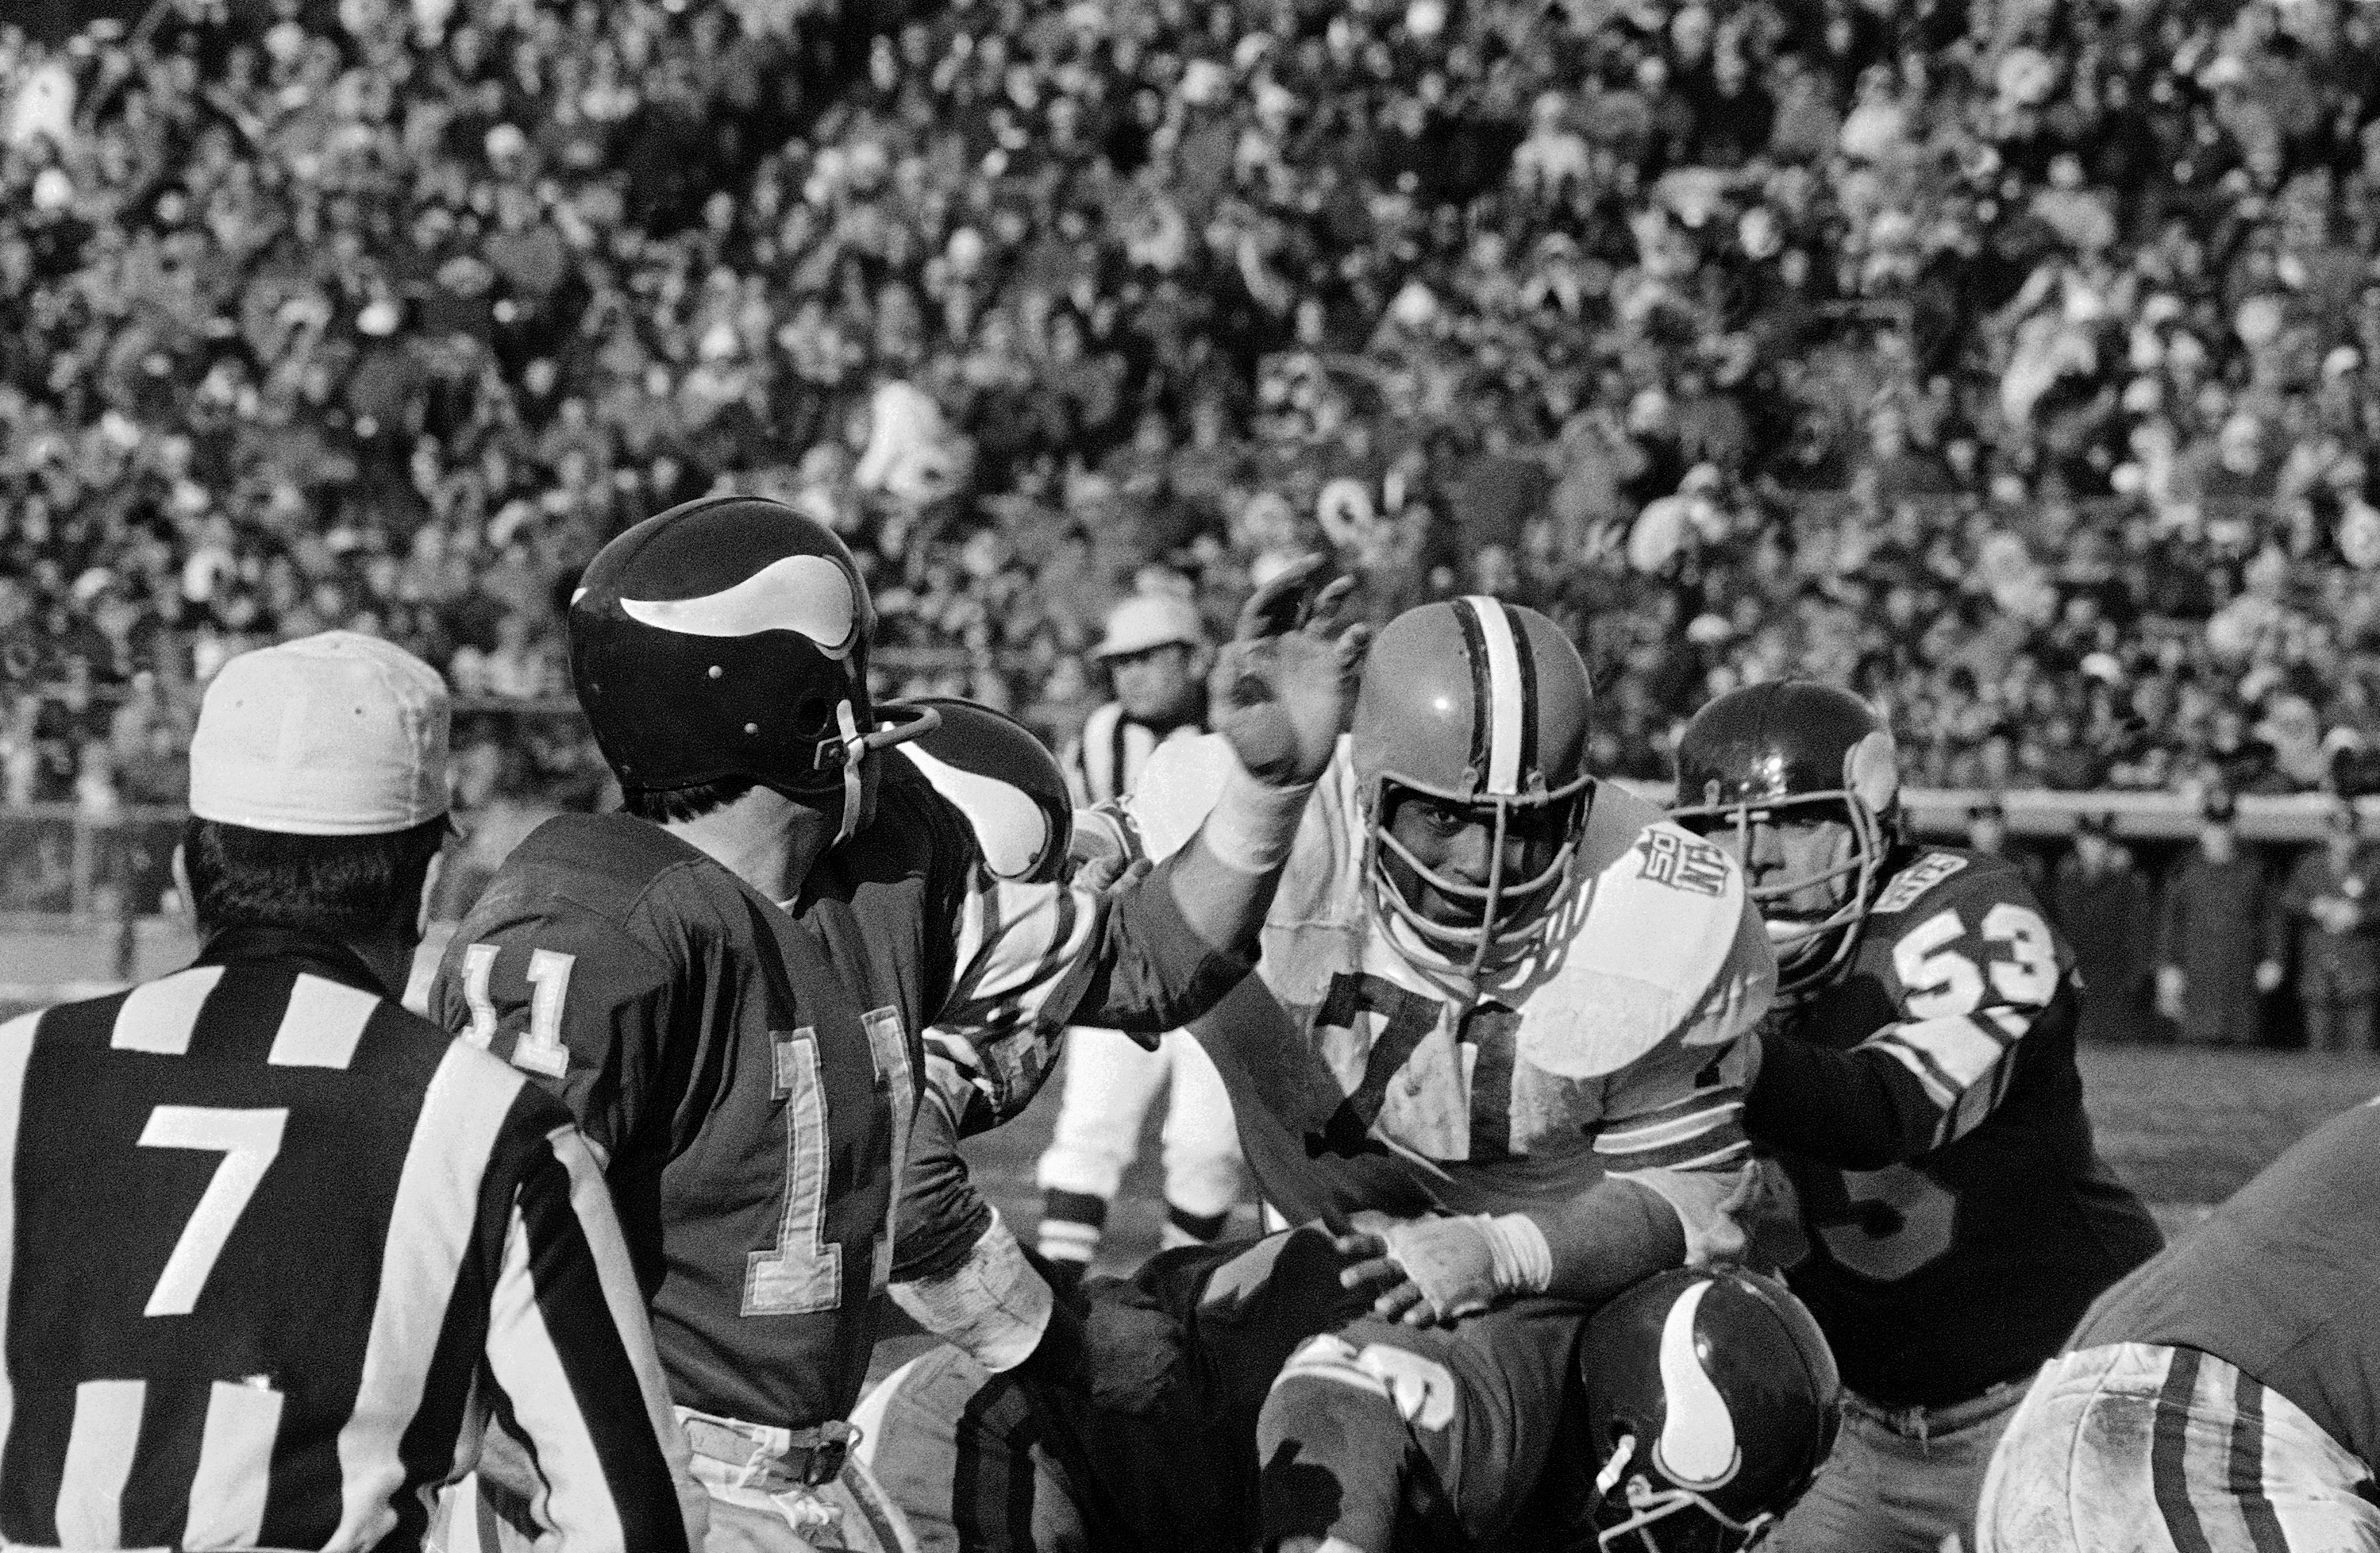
751, 1073
1926, 1105
1441, 1434
2283, 1281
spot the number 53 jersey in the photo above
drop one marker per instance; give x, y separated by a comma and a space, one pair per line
1955, 1217
1365, 1073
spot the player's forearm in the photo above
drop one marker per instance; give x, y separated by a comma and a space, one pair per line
1851, 1109
1186, 934
1223, 881
1615, 1233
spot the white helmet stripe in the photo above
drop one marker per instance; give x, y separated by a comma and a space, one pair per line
805, 594
1697, 1448
1505, 709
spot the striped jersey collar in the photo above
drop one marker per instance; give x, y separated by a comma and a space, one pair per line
317, 954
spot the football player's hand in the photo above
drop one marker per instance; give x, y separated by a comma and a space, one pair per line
1420, 1271
2268, 975
1284, 687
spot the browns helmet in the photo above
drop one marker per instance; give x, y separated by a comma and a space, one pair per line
1478, 703
1711, 1400
728, 638
1797, 749
1006, 782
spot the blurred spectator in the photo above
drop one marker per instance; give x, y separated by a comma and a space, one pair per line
2017, 370
2103, 906
2211, 935
2325, 918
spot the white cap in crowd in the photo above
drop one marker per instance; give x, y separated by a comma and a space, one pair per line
335, 734
1147, 620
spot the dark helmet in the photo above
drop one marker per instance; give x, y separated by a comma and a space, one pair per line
1006, 782
1477, 702
728, 638
1787, 745
1711, 1400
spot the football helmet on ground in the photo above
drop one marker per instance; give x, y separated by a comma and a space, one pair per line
1482, 704
728, 638
1711, 1400
1005, 780
1787, 751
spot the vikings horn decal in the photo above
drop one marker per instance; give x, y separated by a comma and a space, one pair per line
1872, 770
1008, 825
805, 593
1697, 1449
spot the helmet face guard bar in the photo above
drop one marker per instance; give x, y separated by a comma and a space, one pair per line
1646, 1505
1492, 940
898, 723
1809, 952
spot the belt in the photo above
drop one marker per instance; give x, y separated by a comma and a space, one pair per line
1922, 1424
772, 1458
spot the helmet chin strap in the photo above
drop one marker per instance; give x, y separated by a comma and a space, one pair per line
855, 753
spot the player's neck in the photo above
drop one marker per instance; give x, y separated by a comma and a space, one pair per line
763, 838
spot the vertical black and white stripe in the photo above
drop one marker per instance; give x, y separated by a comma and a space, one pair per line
1104, 763
264, 1240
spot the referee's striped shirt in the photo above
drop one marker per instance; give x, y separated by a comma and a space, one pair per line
271, 1250
1104, 764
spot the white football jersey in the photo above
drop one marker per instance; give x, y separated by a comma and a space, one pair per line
1365, 1066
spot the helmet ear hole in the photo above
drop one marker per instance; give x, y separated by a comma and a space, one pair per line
813, 715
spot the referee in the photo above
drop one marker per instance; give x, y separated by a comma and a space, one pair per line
271, 1248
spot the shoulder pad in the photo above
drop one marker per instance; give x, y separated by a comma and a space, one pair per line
619, 850
1913, 883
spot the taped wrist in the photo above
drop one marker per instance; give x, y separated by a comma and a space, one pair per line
1253, 825
992, 1306
1524, 1261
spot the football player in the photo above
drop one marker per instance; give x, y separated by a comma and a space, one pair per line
1918, 1087
1498, 1000
2225, 1397
1684, 1414
729, 982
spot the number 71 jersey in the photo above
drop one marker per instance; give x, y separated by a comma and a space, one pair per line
1367, 1073
1958, 1218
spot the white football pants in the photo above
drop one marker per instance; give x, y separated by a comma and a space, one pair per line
1111, 1082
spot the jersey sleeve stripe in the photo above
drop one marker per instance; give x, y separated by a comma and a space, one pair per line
1939, 1088
322, 1025
100, 1445
430, 1229
1710, 1153
234, 1473
1718, 1107
1959, 1050
158, 1016
16, 1048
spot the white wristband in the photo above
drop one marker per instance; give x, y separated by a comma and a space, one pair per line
1252, 826
1523, 1262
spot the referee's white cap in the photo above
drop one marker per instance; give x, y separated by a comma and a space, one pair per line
334, 734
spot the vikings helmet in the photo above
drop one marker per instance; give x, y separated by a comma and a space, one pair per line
1484, 704
1797, 749
1711, 1400
1006, 782
728, 638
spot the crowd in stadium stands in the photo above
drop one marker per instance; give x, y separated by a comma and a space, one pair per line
2016, 363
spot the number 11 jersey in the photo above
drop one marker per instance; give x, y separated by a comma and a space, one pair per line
1927, 1109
